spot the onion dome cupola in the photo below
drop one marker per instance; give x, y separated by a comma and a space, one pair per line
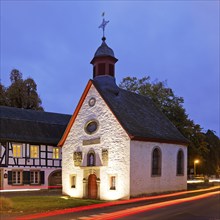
104, 60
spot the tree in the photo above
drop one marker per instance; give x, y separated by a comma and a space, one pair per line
15, 76
3, 100
172, 106
32, 100
164, 98
212, 160
21, 93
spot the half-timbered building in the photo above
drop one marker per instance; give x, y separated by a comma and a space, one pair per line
29, 155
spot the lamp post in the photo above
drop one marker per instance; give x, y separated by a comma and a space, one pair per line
195, 162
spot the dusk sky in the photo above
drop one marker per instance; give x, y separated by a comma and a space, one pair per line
53, 42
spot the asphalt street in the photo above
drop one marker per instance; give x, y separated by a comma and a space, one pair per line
204, 209
175, 208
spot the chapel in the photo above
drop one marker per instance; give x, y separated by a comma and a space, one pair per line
118, 144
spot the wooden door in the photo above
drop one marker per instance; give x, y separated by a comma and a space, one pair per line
92, 187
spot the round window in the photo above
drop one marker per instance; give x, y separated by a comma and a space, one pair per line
92, 102
91, 127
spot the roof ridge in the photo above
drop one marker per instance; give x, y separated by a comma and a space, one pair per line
31, 110
40, 121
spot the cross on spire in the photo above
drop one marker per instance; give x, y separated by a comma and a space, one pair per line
103, 24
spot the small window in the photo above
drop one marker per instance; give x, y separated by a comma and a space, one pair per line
35, 177
91, 127
101, 69
180, 163
113, 183
111, 70
156, 162
56, 153
34, 151
16, 150
92, 102
73, 181
94, 71
91, 158
17, 177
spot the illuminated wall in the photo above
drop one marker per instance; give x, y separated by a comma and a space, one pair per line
6, 186
44, 162
110, 136
142, 180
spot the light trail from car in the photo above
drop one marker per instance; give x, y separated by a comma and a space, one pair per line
145, 208
107, 204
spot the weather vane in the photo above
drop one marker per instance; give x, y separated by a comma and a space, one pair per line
103, 24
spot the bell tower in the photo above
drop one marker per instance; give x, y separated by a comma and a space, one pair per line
104, 60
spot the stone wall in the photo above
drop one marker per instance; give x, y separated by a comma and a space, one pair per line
111, 146
142, 182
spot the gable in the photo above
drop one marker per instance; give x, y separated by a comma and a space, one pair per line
85, 114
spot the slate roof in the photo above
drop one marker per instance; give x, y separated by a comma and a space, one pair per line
104, 50
36, 127
137, 114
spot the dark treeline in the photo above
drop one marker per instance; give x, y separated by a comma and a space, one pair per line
21, 93
203, 146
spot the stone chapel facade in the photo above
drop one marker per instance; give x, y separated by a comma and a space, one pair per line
117, 143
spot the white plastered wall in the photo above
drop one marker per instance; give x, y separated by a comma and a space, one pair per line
112, 137
142, 182
47, 172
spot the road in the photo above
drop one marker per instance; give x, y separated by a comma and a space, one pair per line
204, 209
203, 206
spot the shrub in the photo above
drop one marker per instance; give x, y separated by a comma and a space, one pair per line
5, 204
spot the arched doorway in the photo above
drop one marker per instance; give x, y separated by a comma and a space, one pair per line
55, 180
92, 187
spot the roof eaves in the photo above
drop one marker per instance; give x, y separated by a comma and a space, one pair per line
17, 140
159, 140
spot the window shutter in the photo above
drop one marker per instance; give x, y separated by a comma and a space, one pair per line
111, 70
26, 177
42, 176
101, 69
94, 71
9, 177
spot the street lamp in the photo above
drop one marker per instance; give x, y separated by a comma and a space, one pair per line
195, 162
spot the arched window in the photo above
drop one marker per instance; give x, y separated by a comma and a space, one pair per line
180, 163
156, 162
91, 158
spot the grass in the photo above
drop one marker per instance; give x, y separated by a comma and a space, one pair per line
5, 204
34, 204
